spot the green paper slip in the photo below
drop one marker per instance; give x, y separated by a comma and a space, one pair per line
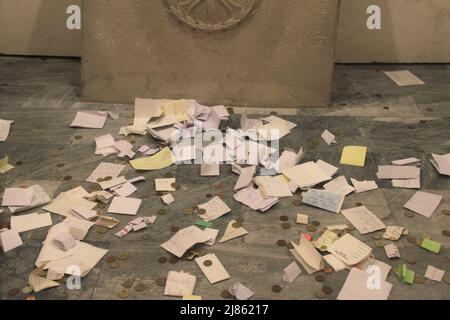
404, 274
203, 223
432, 246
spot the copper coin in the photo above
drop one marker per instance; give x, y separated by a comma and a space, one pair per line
225, 294
207, 263
169, 175
176, 185
316, 224
162, 260
284, 218
446, 212
114, 265
110, 259
79, 137
290, 246
19, 163
327, 290
13, 292
140, 287
411, 239
60, 165
161, 281
379, 244
128, 283
240, 220
201, 212
446, 233
31, 298
359, 204
320, 294
188, 211
328, 270
174, 229
286, 226
123, 294
409, 214
173, 260
132, 142
101, 230
230, 110
297, 202
276, 289
418, 279
411, 260
281, 243
320, 278
67, 178
209, 195
237, 225
123, 256
377, 237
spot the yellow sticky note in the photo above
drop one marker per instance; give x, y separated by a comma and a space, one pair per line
161, 160
354, 156
192, 297
4, 165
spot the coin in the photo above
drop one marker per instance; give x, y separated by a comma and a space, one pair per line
377, 237
161, 212
379, 244
358, 204
351, 228
446, 233
169, 175
79, 137
108, 178
101, 230
237, 225
173, 260
123, 294
290, 246
286, 226
320, 294
174, 229
162, 260
446, 212
411, 260
276, 288
327, 290
123, 256
297, 202
240, 220
281, 243
188, 211
67, 178
201, 212
176, 185
110, 259
316, 224
284, 218
161, 281
411, 239
409, 214
128, 283
58, 176
140, 287
60, 165
225, 294
320, 278
13, 292
19, 163
207, 263
42, 273
31, 298
209, 195
27, 290
418, 279
230, 110
311, 228
328, 270
114, 265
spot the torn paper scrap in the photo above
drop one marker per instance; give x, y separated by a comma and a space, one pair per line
350, 250
324, 200
404, 274
210, 170
291, 272
30, 222
406, 183
335, 263
64, 203
434, 274
89, 119
127, 206
161, 160
325, 240
113, 183
163, 185
215, 208
77, 228
354, 156
327, 168
404, 78
398, 172
245, 176
125, 149
105, 171
233, 231
126, 190
185, 239
84, 213
424, 203
289, 158
441, 163
212, 268
307, 175
356, 287
339, 185
144, 111
394, 233
302, 219
363, 220
5, 126
65, 241
307, 255
39, 283
328, 137
105, 145
370, 263
407, 161
273, 187
9, 239
17, 197
241, 292
179, 284
363, 186
253, 198
432, 246
4, 165
40, 198
168, 199
392, 251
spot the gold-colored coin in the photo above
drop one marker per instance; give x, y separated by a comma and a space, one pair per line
42, 273
446, 212
240, 220
108, 178
114, 265
379, 244
169, 175
188, 211
320, 294
60, 165
101, 230
123, 294
316, 224
123, 256
328, 270
128, 283
79, 137
201, 212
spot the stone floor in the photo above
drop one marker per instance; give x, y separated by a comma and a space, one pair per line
42, 95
